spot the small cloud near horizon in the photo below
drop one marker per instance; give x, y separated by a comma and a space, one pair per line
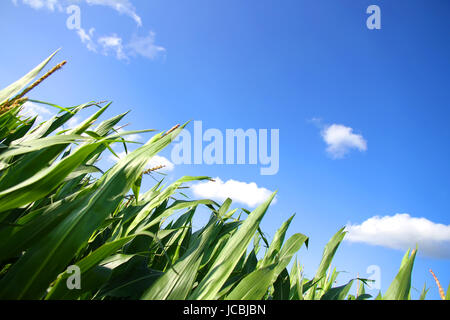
247, 193
403, 232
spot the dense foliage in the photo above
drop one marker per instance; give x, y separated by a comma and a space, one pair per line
58, 209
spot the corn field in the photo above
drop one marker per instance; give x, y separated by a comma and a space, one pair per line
58, 209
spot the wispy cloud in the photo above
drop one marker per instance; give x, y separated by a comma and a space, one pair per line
121, 6
138, 46
51, 5
87, 38
341, 140
402, 232
247, 193
113, 44
143, 46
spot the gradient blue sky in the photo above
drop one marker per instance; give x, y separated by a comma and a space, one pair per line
277, 64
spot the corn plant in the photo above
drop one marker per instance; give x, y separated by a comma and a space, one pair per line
59, 209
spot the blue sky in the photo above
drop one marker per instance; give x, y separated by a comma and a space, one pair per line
311, 69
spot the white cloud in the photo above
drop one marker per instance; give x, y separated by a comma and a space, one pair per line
154, 162
113, 43
341, 139
31, 110
121, 6
145, 46
247, 193
40, 4
402, 232
138, 45
87, 38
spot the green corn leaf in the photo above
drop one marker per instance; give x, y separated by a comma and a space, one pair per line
447, 297
282, 286
15, 88
39, 144
29, 277
224, 208
230, 255
276, 244
59, 290
338, 293
254, 286
424, 292
329, 252
160, 198
31, 164
327, 258
364, 296
83, 170
36, 224
296, 287
18, 133
292, 245
401, 286
45, 181
177, 282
